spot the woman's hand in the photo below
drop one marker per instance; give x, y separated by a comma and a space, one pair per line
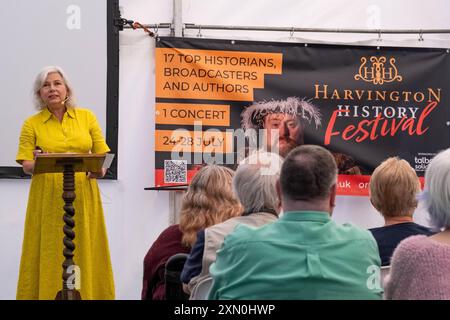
97, 175
36, 152
28, 166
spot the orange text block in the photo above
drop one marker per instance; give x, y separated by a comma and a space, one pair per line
187, 114
213, 74
182, 140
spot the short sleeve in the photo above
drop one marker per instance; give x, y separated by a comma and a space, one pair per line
98, 140
27, 143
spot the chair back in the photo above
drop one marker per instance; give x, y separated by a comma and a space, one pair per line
174, 286
201, 290
384, 272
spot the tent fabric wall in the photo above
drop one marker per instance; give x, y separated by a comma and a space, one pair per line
135, 217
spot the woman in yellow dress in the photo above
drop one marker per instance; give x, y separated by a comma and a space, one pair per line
61, 127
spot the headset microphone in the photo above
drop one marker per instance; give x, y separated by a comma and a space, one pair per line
64, 101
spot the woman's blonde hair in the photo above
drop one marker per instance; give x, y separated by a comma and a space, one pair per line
208, 201
394, 186
39, 82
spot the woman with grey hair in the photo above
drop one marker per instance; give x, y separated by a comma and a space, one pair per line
61, 127
419, 266
68, 99
254, 184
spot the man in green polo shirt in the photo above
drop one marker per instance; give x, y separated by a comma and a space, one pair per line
303, 255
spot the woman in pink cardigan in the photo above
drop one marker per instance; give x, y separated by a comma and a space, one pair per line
420, 265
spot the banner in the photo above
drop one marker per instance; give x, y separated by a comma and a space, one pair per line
217, 99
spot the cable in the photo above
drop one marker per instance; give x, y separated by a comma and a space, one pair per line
138, 25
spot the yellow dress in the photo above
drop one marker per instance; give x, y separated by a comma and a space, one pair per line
40, 274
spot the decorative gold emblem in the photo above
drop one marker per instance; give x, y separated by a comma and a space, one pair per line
378, 72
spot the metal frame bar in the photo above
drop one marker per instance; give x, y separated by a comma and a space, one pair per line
112, 88
191, 26
315, 30
177, 29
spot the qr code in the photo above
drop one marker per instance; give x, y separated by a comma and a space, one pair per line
175, 171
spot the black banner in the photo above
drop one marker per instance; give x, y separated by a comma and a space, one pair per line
365, 103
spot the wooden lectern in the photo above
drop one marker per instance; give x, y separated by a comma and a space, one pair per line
68, 164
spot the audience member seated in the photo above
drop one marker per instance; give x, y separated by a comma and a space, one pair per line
420, 264
394, 187
304, 254
173, 285
208, 201
254, 185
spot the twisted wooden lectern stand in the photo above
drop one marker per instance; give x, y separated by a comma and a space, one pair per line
68, 164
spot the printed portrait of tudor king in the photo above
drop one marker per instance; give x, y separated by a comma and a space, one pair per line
286, 119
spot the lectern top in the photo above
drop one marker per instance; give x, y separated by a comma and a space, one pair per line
56, 162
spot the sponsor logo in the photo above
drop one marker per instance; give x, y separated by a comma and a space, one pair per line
421, 162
